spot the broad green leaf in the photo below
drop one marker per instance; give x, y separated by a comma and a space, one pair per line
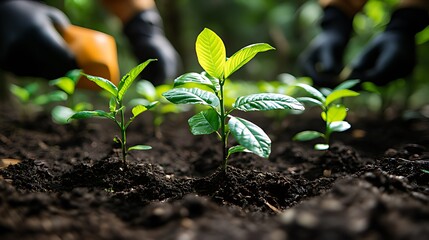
54, 96
129, 78
64, 83
243, 56
90, 114
204, 122
21, 93
146, 89
336, 112
191, 96
138, 110
250, 136
266, 101
139, 147
215, 81
308, 135
310, 100
337, 94
312, 91
236, 149
193, 78
61, 114
339, 126
211, 53
347, 84
104, 84
321, 146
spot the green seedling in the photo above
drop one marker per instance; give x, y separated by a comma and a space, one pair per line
33, 99
208, 88
117, 108
61, 114
333, 113
150, 93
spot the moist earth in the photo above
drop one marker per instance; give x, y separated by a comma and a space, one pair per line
70, 182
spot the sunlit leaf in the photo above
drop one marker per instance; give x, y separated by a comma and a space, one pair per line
137, 110
308, 135
129, 78
243, 56
54, 96
211, 53
237, 149
191, 96
146, 89
312, 91
339, 126
21, 93
64, 83
250, 136
266, 101
104, 84
139, 147
336, 112
193, 78
91, 114
204, 122
337, 94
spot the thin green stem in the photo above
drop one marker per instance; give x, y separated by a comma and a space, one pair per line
123, 134
223, 131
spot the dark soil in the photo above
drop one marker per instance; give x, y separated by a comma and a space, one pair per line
71, 183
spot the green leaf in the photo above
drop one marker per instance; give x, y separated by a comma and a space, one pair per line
204, 122
54, 96
312, 91
104, 84
129, 78
339, 126
21, 93
337, 94
140, 147
211, 53
61, 114
151, 104
425, 171
336, 112
112, 104
266, 101
308, 135
74, 75
137, 110
371, 87
64, 83
250, 136
90, 114
321, 146
215, 81
309, 100
236, 149
146, 89
193, 78
191, 96
347, 84
243, 56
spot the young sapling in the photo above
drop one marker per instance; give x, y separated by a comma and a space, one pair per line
333, 113
117, 108
208, 89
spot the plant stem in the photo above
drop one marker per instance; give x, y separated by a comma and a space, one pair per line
123, 135
223, 133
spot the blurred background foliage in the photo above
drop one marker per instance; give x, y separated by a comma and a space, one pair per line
289, 26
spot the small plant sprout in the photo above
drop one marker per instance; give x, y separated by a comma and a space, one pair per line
208, 88
333, 113
61, 114
117, 108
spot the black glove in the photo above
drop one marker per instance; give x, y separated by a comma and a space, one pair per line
322, 60
146, 35
30, 44
392, 54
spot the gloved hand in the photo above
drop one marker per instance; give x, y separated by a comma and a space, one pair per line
30, 44
392, 54
322, 60
146, 35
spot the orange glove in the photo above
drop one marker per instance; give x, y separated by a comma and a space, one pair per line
95, 53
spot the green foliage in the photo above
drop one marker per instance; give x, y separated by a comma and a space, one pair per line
208, 89
333, 112
116, 107
149, 93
